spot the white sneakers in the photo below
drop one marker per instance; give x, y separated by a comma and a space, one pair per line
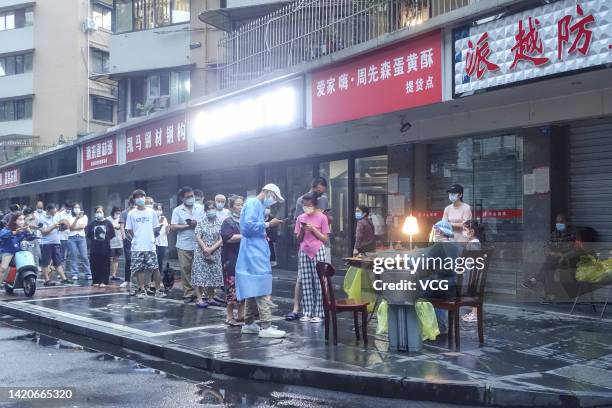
269, 333
124, 284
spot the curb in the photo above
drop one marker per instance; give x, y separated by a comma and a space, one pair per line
367, 383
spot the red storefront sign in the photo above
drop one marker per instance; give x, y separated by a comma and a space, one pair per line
10, 177
165, 136
398, 77
99, 153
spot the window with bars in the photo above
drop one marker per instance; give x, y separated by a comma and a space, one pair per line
138, 15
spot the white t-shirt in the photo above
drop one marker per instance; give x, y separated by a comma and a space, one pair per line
61, 216
223, 213
82, 222
142, 223
162, 238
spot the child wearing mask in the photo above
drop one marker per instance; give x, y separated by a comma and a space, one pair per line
116, 243
311, 229
100, 232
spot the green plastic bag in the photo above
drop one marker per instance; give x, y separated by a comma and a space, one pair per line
382, 326
357, 286
427, 319
591, 270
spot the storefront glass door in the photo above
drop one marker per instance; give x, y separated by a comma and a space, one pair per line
371, 180
336, 174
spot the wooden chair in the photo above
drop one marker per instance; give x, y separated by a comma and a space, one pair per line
332, 307
471, 296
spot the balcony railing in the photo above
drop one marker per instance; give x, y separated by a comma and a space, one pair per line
306, 30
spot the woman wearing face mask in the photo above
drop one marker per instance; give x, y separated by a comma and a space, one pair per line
116, 243
207, 273
77, 244
230, 233
457, 212
364, 231
11, 237
100, 232
161, 240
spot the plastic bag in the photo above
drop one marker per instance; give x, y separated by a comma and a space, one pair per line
590, 270
382, 326
427, 320
357, 286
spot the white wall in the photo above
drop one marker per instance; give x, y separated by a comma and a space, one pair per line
16, 85
150, 49
16, 127
19, 39
12, 3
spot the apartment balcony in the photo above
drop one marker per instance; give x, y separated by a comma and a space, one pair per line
15, 40
308, 30
15, 128
16, 85
149, 50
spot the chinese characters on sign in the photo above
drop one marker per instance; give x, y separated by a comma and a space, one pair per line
489, 213
10, 177
99, 153
555, 38
158, 138
398, 77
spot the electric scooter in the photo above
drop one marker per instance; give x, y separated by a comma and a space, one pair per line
22, 272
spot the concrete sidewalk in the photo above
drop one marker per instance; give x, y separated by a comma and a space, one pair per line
531, 358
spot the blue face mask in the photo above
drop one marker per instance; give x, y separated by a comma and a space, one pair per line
211, 214
560, 227
269, 201
358, 215
140, 201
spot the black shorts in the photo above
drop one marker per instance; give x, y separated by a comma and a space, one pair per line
51, 253
116, 252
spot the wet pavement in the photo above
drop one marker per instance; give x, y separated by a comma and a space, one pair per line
127, 379
531, 357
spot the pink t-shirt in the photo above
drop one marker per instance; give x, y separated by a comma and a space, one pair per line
460, 214
311, 244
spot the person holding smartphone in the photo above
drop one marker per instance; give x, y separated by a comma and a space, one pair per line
311, 229
77, 243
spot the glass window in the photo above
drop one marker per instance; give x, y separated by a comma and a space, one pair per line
371, 181
123, 15
10, 65
27, 62
184, 86
19, 18
180, 11
10, 20
28, 108
99, 61
2, 67
2, 22
19, 64
29, 16
162, 12
164, 84
102, 109
102, 16
153, 86
20, 110
138, 88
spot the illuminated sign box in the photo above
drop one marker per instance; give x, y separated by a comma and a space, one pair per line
270, 109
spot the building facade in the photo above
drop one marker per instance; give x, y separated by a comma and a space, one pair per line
46, 97
391, 112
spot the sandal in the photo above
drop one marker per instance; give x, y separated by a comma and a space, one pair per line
292, 316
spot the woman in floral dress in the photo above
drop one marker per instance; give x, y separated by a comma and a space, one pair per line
207, 272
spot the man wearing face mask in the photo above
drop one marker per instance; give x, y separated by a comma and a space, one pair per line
77, 244
183, 222
199, 196
562, 242
253, 269
457, 212
62, 218
222, 212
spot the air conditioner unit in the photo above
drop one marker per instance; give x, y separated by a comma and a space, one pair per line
90, 25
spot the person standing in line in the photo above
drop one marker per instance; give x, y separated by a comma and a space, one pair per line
77, 243
199, 197
457, 212
140, 225
100, 232
365, 235
127, 249
161, 241
222, 212
116, 242
207, 273
183, 222
318, 188
62, 217
311, 229
50, 246
253, 269
32, 222
230, 233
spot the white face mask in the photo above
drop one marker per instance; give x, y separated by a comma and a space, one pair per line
465, 234
99, 216
453, 197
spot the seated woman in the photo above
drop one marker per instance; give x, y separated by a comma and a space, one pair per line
11, 236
